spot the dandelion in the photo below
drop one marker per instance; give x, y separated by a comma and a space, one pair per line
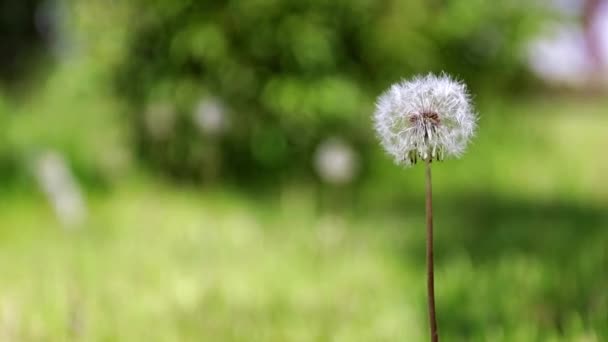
210, 117
61, 188
160, 120
427, 118
336, 162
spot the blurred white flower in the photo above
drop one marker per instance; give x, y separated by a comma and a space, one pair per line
562, 53
428, 117
51, 19
160, 120
61, 188
210, 117
560, 57
10, 319
336, 162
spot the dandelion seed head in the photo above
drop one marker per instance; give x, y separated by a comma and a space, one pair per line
159, 120
336, 162
428, 117
61, 188
210, 117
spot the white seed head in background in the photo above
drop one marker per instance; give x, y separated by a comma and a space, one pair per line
210, 117
428, 117
336, 162
61, 188
160, 119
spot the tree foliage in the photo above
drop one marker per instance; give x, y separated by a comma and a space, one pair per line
290, 73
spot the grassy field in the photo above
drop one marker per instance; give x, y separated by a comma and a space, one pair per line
521, 243
160, 264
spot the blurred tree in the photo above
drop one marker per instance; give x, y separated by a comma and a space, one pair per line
20, 37
592, 34
289, 73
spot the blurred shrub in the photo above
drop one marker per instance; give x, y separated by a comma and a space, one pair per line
61, 101
287, 73
21, 36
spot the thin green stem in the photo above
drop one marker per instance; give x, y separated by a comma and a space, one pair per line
429, 253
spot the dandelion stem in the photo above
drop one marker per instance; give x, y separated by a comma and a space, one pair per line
429, 253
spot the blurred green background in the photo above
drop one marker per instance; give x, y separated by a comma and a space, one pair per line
180, 170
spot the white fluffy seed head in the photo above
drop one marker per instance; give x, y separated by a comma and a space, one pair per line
428, 117
336, 161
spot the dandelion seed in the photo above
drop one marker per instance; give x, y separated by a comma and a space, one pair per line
426, 117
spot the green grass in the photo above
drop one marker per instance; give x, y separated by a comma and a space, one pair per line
521, 236
159, 264
162, 264
521, 231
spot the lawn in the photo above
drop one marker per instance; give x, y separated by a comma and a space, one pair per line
521, 243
